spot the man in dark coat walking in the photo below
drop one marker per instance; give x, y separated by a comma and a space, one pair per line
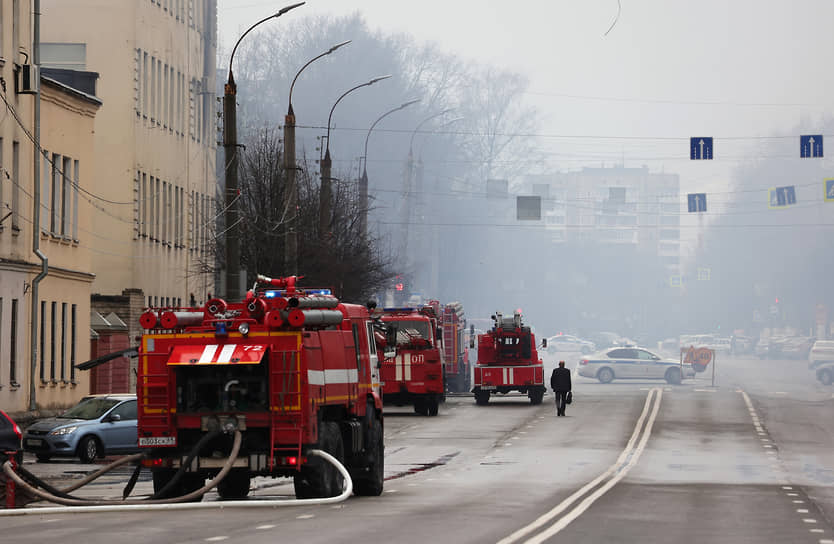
560, 383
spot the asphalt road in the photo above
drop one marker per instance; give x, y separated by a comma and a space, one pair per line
748, 460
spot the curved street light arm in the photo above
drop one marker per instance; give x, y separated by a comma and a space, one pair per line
381, 117
311, 61
330, 117
423, 122
231, 78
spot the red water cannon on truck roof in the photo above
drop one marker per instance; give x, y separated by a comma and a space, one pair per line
508, 361
287, 370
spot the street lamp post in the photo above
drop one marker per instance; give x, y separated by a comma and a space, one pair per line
408, 201
291, 245
325, 194
363, 182
230, 151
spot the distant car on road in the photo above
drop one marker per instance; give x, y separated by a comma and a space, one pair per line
567, 342
96, 426
633, 363
821, 361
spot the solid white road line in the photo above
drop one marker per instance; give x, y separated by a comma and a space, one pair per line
565, 504
585, 504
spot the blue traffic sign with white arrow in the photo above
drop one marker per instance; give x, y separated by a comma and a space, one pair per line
781, 197
810, 146
829, 190
697, 202
700, 148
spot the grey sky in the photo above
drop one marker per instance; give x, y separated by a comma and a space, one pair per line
738, 70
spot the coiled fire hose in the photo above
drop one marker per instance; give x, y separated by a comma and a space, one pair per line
71, 501
87, 505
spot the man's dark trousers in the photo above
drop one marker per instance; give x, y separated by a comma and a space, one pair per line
561, 397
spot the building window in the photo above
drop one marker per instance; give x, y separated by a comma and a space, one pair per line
63, 342
153, 88
76, 176
15, 31
53, 330
73, 333
15, 186
145, 84
3, 172
55, 203
43, 341
13, 346
164, 212
1, 331
66, 202
67, 56
137, 83
46, 199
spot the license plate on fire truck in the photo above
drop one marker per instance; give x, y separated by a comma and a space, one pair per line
488, 387
158, 441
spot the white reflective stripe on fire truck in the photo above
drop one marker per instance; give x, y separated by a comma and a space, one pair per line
398, 368
332, 376
315, 377
512, 380
226, 353
208, 353
504, 375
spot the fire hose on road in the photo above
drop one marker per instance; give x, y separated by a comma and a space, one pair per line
74, 504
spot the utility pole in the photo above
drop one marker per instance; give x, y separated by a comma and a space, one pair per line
231, 216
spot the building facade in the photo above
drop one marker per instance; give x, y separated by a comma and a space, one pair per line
620, 206
155, 136
44, 187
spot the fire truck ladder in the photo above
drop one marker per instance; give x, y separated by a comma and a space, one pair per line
285, 390
155, 391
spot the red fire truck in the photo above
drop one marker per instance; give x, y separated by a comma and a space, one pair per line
455, 354
415, 374
508, 361
290, 369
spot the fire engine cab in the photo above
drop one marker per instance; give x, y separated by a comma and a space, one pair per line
415, 375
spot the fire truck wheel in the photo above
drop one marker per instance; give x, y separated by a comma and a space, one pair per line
370, 482
235, 485
432, 406
536, 396
420, 407
188, 482
481, 398
318, 478
89, 449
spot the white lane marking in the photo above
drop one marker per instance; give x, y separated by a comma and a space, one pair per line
305, 516
778, 392
818, 531
390, 490
216, 538
801, 510
630, 450
797, 501
767, 446
809, 520
265, 527
792, 494
826, 541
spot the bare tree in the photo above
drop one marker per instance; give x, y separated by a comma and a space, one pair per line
345, 260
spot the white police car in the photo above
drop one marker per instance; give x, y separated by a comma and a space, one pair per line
633, 363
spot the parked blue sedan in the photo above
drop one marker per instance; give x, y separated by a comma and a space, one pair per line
633, 363
96, 426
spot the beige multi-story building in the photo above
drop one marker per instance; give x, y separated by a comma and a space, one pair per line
40, 345
155, 138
